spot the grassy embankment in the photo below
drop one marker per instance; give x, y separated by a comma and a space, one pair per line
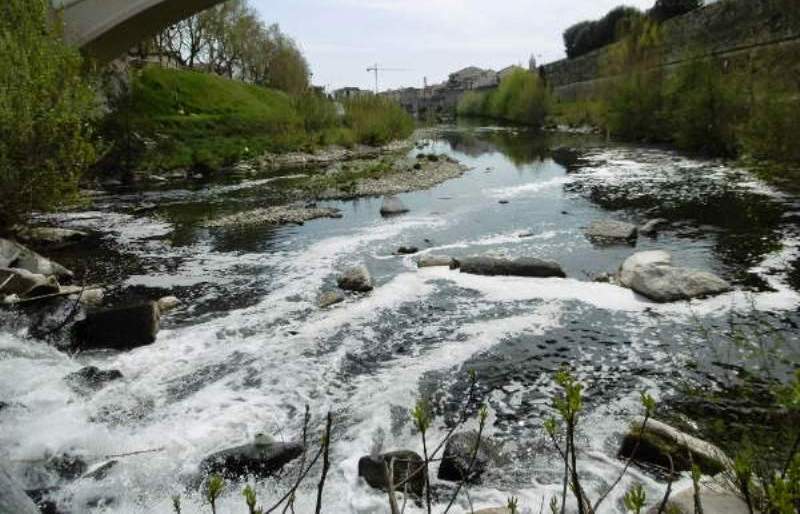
699, 106
204, 121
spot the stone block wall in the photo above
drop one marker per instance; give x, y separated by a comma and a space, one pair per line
761, 36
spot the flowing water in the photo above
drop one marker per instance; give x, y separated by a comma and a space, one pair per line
249, 348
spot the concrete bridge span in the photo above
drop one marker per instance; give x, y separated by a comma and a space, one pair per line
106, 29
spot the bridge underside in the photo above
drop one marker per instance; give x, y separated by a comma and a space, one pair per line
106, 29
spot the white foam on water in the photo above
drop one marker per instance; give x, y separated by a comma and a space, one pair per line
532, 189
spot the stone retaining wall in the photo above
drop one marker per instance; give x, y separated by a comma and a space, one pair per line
761, 36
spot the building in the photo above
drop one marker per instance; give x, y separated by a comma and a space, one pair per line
472, 77
346, 93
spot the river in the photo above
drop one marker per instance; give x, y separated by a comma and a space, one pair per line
249, 348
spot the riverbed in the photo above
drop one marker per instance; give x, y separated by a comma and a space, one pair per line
248, 348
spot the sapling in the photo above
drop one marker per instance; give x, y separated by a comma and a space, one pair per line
214, 488
176, 504
635, 499
513, 505
421, 415
250, 499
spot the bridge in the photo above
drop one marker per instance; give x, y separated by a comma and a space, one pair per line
106, 29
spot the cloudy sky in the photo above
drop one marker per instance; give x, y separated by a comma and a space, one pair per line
425, 38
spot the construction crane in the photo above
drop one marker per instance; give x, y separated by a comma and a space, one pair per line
376, 69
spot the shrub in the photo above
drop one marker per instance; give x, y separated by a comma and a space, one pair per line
771, 130
703, 109
521, 97
376, 120
318, 112
45, 107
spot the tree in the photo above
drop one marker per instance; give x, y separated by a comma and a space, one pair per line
586, 36
666, 9
45, 108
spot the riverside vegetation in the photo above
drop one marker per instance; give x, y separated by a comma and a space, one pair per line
699, 106
257, 100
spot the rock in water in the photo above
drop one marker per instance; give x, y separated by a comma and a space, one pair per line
14, 255
651, 275
567, 157
12, 497
260, 459
407, 250
356, 279
121, 328
660, 440
406, 464
392, 206
715, 497
52, 235
651, 227
92, 378
636, 262
328, 298
521, 267
457, 456
611, 232
428, 261
168, 303
23, 283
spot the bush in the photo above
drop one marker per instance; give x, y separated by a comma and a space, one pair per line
521, 98
45, 107
318, 112
376, 120
771, 131
703, 109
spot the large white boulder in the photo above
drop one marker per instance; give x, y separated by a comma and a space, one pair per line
652, 275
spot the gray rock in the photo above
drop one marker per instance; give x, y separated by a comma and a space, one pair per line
428, 261
651, 275
650, 228
120, 328
92, 378
52, 235
168, 303
12, 496
328, 298
260, 459
455, 465
611, 232
407, 250
636, 262
716, 497
392, 206
14, 255
89, 297
406, 464
66, 467
356, 279
566, 156
660, 440
24, 284
521, 267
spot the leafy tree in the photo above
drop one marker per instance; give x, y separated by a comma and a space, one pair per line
666, 9
586, 36
45, 106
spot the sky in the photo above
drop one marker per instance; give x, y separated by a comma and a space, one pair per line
425, 38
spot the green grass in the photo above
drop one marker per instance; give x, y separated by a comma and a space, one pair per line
205, 122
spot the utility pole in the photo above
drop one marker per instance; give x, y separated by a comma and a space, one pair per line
376, 68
